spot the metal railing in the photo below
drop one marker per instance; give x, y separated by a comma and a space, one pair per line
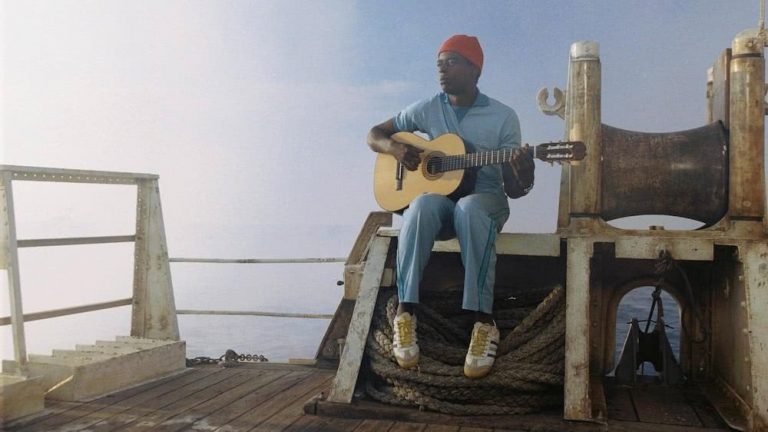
9, 244
152, 291
256, 261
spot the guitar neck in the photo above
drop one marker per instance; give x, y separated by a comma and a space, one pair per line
472, 160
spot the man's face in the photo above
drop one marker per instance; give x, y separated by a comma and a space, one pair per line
456, 73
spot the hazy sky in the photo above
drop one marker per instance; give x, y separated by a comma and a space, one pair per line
255, 112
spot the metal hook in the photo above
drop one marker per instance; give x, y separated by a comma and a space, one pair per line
558, 108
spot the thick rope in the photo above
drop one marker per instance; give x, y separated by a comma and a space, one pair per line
526, 377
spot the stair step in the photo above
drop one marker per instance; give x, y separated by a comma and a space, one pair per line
138, 341
90, 371
59, 359
112, 349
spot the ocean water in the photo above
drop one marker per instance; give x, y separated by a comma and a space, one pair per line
637, 304
67, 276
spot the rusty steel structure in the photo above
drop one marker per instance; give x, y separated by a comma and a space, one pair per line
713, 174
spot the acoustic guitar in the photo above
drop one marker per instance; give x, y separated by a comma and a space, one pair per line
446, 167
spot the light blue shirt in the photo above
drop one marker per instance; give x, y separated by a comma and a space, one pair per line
487, 125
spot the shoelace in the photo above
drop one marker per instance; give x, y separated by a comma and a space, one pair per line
479, 341
403, 333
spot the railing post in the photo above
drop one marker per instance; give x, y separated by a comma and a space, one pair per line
747, 128
577, 402
582, 123
9, 260
154, 308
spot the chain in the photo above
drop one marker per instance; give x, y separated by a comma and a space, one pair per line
228, 359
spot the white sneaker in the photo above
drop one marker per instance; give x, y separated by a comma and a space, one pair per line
482, 350
404, 343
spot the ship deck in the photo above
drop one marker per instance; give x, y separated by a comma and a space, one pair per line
277, 397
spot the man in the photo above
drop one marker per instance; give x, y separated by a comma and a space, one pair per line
484, 124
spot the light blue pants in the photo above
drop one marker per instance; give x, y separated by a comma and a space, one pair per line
475, 220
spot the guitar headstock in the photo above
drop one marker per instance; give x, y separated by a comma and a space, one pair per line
561, 152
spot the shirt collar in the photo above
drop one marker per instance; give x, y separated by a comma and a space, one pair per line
480, 101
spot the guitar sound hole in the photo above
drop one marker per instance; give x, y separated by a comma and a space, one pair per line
433, 166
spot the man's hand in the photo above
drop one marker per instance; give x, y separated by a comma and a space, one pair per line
523, 166
380, 140
407, 155
518, 173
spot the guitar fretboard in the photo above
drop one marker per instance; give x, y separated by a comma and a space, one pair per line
457, 162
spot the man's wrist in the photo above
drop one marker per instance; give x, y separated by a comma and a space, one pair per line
525, 188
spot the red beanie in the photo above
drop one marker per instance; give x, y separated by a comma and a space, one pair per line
467, 46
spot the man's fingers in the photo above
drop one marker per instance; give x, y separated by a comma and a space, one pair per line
412, 158
413, 150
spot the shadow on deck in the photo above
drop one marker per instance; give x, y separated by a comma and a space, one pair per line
272, 397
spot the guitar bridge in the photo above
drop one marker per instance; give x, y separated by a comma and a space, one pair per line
399, 177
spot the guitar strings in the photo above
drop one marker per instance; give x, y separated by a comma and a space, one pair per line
456, 162
438, 164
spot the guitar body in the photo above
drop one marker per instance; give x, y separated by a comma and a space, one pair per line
449, 168
414, 183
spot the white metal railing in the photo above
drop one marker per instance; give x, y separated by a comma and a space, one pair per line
256, 261
145, 239
152, 298
54, 313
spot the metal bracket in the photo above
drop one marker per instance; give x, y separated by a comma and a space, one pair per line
558, 108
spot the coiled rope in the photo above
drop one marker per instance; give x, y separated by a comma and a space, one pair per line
526, 377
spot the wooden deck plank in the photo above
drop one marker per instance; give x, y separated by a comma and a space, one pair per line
52, 415
180, 406
119, 415
620, 406
285, 417
242, 405
309, 423
441, 428
183, 420
665, 405
370, 425
625, 426
340, 424
362, 409
303, 423
407, 427
706, 412
83, 414
254, 408
343, 387
52, 409
272, 397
